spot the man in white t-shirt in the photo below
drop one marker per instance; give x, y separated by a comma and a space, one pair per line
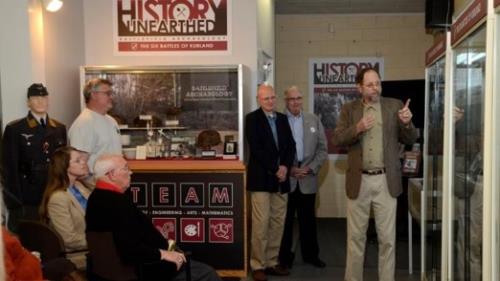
94, 131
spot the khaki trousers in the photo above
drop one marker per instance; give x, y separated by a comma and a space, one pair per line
473, 255
373, 193
268, 221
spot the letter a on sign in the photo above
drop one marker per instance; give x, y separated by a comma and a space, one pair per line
192, 195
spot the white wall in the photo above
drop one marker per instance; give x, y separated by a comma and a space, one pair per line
64, 54
15, 58
399, 38
99, 44
265, 23
39, 46
265, 34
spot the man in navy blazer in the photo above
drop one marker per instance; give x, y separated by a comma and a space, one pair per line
272, 151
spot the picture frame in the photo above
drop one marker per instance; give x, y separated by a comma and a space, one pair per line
230, 148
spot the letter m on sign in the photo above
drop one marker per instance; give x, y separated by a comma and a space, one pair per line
221, 195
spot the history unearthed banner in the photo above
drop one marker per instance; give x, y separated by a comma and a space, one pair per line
152, 26
331, 84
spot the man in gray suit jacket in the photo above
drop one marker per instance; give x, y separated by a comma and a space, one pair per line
372, 129
311, 148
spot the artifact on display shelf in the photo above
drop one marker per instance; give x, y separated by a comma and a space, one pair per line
166, 108
230, 148
206, 140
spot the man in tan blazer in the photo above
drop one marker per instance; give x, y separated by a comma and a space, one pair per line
372, 129
311, 153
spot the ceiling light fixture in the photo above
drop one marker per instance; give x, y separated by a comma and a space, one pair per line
52, 5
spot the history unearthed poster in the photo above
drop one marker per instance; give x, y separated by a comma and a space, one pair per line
331, 84
170, 26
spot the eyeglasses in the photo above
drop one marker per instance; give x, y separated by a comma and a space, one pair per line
109, 93
373, 85
294, 99
268, 98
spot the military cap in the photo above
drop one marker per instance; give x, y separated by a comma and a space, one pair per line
37, 89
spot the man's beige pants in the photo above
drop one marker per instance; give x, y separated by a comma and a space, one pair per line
373, 193
475, 217
268, 221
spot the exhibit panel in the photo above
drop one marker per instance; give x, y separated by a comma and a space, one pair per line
198, 203
184, 112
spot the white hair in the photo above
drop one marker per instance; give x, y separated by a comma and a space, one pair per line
104, 164
291, 89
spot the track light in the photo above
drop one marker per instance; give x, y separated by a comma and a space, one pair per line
52, 5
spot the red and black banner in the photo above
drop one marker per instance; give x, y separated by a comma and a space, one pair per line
171, 25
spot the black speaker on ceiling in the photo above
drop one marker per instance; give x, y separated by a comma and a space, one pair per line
438, 13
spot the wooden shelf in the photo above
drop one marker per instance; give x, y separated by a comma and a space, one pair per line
154, 128
186, 165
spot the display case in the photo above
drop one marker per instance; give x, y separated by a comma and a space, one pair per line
468, 116
431, 222
182, 120
176, 112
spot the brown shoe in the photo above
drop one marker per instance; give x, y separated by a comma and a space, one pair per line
277, 270
259, 275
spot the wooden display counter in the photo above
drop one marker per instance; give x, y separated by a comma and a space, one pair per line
186, 165
199, 203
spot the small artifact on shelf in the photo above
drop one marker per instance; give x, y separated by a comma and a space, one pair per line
141, 152
144, 119
129, 153
206, 140
173, 111
171, 123
172, 114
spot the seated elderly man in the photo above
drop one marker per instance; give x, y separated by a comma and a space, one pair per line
135, 239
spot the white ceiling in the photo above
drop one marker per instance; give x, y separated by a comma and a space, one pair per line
348, 6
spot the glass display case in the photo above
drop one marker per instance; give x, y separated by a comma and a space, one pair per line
175, 112
467, 186
432, 223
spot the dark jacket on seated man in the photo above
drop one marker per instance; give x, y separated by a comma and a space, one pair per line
136, 240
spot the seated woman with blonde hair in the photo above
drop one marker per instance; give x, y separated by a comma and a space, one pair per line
65, 200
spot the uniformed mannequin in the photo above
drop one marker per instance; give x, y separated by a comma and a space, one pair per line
27, 145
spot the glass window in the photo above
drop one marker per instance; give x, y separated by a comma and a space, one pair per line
468, 114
